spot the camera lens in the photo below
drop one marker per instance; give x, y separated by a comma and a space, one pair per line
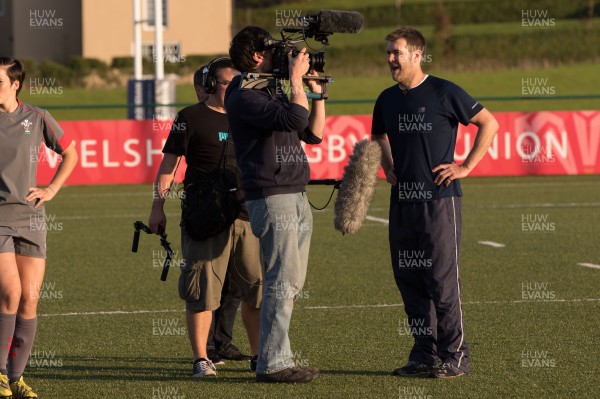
317, 61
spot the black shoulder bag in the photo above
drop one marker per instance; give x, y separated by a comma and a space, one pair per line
211, 205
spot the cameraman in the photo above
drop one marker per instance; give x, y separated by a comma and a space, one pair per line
200, 133
267, 127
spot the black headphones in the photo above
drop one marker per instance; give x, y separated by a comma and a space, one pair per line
208, 79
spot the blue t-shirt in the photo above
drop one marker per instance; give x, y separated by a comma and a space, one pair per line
421, 124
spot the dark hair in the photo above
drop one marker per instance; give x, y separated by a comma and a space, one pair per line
414, 39
245, 43
15, 70
216, 66
198, 76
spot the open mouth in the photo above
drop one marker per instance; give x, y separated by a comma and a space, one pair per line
394, 67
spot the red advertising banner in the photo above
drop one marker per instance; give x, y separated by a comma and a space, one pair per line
527, 143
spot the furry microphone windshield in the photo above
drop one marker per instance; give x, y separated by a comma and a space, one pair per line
358, 187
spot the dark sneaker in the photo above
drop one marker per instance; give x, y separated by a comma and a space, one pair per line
413, 369
447, 370
231, 352
315, 372
213, 356
253, 363
290, 375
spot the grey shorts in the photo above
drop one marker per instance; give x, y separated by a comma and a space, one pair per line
23, 241
206, 264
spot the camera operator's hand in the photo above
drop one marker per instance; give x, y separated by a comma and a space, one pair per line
298, 67
157, 218
315, 86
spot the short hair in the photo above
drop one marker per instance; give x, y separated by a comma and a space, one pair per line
15, 70
216, 66
198, 76
414, 39
202, 73
244, 44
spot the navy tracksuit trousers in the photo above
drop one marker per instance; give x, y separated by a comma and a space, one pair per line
425, 247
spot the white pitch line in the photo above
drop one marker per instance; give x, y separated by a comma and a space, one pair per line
464, 303
107, 216
589, 265
519, 206
110, 194
384, 305
110, 312
532, 184
492, 244
538, 205
376, 219
369, 217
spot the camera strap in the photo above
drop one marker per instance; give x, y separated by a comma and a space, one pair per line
257, 81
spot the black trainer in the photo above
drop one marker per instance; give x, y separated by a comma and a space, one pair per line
231, 352
253, 363
414, 369
447, 370
290, 375
213, 356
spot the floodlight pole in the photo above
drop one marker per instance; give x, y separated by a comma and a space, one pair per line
159, 69
135, 86
137, 40
161, 85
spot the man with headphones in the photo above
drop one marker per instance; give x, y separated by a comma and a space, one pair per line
201, 133
199, 84
220, 335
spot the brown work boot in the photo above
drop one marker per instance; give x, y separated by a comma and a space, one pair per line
315, 372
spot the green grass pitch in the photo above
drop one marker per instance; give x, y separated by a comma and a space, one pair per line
108, 327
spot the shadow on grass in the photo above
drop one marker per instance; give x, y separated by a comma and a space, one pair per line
356, 372
129, 368
114, 368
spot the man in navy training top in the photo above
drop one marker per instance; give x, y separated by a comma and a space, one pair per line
420, 116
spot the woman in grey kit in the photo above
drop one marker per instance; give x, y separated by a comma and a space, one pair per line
22, 221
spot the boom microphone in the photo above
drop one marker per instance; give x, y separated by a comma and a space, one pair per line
334, 21
358, 187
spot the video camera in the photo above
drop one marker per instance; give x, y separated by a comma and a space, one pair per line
314, 26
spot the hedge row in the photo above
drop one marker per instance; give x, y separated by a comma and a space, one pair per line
460, 12
75, 71
527, 48
71, 73
181, 66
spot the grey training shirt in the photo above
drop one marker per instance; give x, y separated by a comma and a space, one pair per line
21, 134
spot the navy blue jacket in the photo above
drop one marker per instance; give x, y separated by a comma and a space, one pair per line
266, 130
